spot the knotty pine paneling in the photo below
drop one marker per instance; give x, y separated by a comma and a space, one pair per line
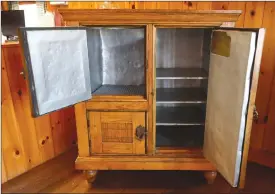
27, 141
267, 77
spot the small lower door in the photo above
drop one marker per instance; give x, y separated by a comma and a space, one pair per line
117, 132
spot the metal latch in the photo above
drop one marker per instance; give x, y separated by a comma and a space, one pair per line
255, 114
140, 132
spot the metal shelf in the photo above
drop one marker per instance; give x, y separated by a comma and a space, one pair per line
181, 73
179, 136
120, 90
173, 116
181, 95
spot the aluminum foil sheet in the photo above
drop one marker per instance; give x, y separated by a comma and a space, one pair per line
58, 65
120, 90
178, 83
179, 47
123, 54
95, 57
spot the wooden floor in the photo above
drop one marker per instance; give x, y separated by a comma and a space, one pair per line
59, 176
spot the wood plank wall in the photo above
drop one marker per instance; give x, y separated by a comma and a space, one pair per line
255, 15
26, 141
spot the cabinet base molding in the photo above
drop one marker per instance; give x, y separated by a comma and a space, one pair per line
210, 176
142, 163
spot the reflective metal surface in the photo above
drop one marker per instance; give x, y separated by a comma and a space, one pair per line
179, 47
123, 54
181, 95
95, 57
179, 136
58, 67
120, 90
181, 73
188, 115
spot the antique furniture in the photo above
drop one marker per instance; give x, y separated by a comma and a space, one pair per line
152, 89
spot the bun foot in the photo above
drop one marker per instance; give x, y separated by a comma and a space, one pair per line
90, 175
210, 176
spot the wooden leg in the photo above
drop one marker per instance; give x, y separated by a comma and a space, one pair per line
210, 176
90, 175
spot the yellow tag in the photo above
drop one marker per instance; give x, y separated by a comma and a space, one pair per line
221, 43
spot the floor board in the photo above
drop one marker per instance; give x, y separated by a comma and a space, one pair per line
59, 176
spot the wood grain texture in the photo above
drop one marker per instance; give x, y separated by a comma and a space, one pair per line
151, 91
21, 102
58, 131
68, 180
95, 132
238, 5
162, 5
13, 154
251, 104
220, 5
45, 137
138, 16
268, 63
269, 144
265, 158
257, 135
114, 132
175, 5
4, 6
28, 141
143, 163
264, 96
43, 175
150, 5
4, 174
112, 98
204, 5
82, 129
122, 106
254, 14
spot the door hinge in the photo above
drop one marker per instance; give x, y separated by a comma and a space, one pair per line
87, 118
153, 93
88, 123
255, 114
90, 143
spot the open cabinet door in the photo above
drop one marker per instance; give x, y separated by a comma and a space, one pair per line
57, 64
233, 76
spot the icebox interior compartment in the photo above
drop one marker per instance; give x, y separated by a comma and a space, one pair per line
182, 63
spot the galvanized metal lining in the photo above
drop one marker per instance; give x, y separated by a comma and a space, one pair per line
123, 54
51, 90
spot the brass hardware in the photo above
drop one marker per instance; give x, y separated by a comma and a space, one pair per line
140, 132
255, 114
23, 74
152, 93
